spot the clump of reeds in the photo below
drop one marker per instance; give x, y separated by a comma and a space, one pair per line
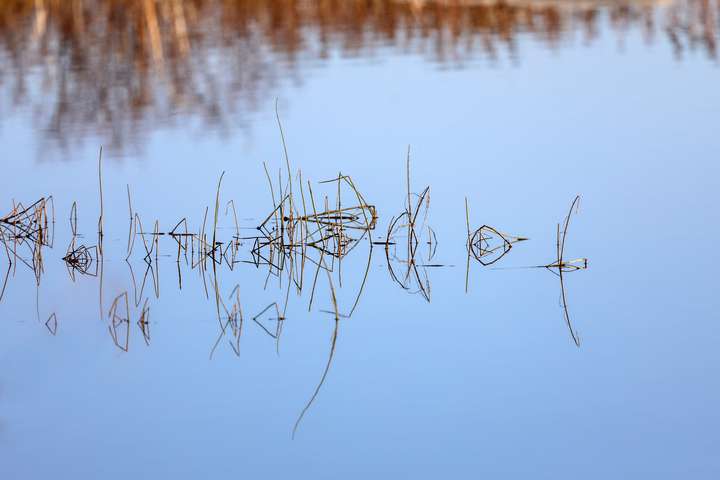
303, 230
25, 231
406, 233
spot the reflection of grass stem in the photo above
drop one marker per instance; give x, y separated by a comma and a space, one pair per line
101, 218
562, 266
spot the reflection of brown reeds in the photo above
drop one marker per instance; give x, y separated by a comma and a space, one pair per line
144, 322
52, 324
121, 67
79, 258
560, 266
101, 217
411, 223
119, 326
120, 321
486, 244
296, 233
83, 260
233, 321
292, 235
6, 277
26, 231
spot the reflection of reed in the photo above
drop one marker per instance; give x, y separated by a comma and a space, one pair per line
292, 237
120, 67
562, 265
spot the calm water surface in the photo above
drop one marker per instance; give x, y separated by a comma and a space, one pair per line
453, 370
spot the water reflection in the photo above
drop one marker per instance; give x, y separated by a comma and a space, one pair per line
317, 245
122, 69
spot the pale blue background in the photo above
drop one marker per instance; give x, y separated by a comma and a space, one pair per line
486, 384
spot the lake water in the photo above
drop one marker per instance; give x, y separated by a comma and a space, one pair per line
407, 355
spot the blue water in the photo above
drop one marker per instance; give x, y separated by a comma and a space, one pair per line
483, 383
